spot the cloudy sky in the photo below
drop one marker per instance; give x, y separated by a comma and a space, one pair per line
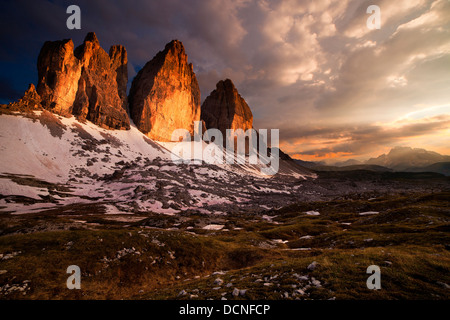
311, 68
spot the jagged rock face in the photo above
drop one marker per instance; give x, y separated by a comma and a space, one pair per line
119, 63
86, 82
165, 95
30, 101
59, 71
98, 98
225, 109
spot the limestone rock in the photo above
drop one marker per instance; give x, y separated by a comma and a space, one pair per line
165, 95
86, 82
312, 266
58, 71
30, 101
98, 98
225, 109
119, 64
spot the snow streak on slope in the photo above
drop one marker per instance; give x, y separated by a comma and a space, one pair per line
28, 147
210, 153
60, 164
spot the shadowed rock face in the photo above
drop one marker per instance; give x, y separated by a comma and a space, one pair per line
225, 109
165, 95
98, 98
88, 83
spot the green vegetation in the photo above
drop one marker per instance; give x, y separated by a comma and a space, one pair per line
267, 258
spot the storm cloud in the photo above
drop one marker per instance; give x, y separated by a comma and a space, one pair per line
310, 68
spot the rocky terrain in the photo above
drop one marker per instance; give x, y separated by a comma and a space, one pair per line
400, 159
141, 227
54, 158
404, 158
82, 184
307, 251
52, 162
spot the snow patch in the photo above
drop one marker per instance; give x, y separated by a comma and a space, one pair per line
368, 213
214, 227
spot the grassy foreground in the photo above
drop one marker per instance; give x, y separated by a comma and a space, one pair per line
253, 257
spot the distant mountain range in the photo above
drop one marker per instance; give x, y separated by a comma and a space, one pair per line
403, 159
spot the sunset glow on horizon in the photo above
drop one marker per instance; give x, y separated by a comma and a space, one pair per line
311, 68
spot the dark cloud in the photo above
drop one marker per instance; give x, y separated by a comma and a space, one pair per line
359, 140
300, 64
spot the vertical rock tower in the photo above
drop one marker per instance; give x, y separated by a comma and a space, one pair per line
165, 95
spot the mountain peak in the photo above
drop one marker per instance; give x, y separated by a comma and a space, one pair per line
175, 43
225, 109
175, 46
83, 82
400, 148
227, 83
91, 37
403, 158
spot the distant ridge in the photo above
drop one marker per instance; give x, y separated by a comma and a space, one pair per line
440, 167
406, 158
400, 159
367, 167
